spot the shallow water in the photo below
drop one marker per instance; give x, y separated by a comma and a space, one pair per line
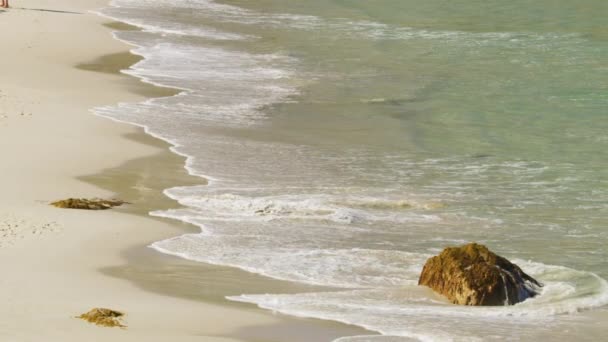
347, 141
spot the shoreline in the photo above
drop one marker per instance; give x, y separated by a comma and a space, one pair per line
144, 264
45, 112
168, 275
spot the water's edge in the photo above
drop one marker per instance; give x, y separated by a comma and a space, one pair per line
162, 273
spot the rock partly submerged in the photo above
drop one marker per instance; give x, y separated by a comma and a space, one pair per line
88, 204
103, 317
473, 275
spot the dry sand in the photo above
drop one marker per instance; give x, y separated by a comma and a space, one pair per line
51, 260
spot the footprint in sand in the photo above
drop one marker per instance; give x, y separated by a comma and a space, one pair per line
18, 108
14, 229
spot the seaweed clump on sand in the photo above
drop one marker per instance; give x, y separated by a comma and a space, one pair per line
103, 317
88, 204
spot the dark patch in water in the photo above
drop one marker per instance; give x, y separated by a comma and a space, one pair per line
481, 155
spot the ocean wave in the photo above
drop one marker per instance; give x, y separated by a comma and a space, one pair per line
400, 312
123, 11
338, 28
218, 85
311, 206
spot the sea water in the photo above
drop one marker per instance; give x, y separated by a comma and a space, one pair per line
347, 141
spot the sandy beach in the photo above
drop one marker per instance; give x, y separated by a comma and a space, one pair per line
57, 264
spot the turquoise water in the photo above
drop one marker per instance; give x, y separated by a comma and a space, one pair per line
347, 141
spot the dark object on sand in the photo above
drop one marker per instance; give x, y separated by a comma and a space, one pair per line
88, 204
473, 275
103, 317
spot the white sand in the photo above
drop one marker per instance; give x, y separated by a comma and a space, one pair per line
49, 258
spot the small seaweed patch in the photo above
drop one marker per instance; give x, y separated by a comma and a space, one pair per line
103, 317
88, 204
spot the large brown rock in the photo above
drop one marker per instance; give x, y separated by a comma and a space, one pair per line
473, 275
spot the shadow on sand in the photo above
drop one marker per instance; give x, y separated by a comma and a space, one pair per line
44, 10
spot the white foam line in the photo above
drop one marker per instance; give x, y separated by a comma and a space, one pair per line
156, 246
320, 315
132, 72
153, 29
173, 148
